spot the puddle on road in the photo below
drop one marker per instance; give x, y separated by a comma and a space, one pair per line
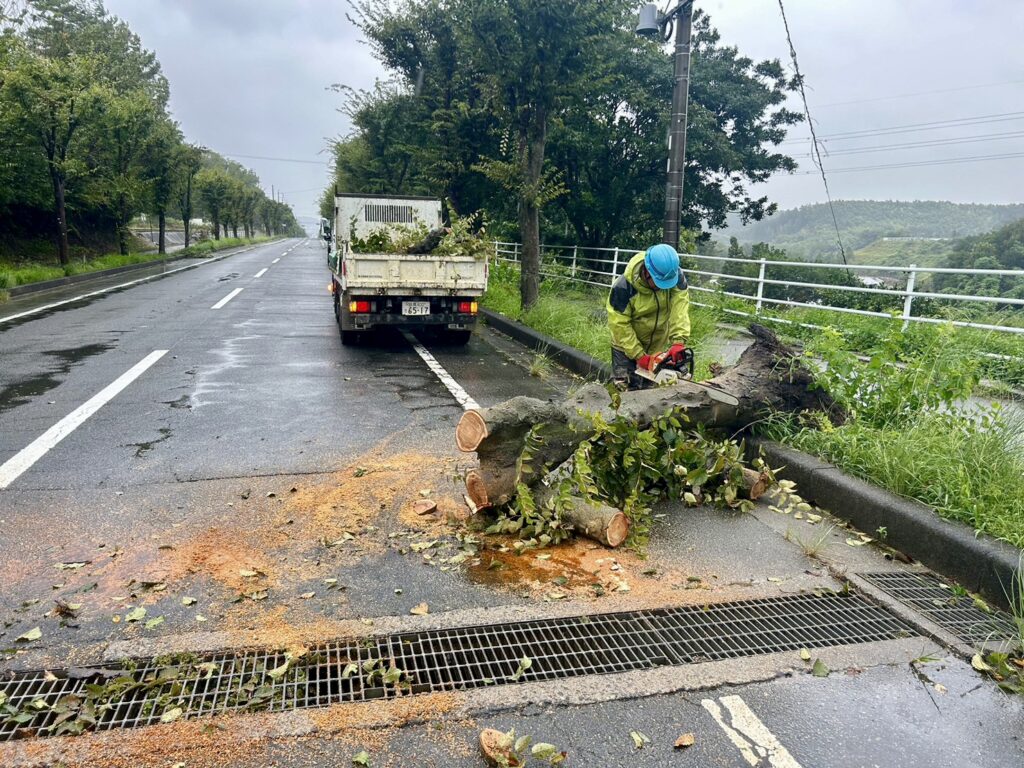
22, 391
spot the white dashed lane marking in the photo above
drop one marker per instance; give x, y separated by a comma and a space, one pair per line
461, 395
220, 304
24, 459
748, 734
262, 272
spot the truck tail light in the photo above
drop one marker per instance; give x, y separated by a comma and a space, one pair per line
330, 289
468, 307
359, 307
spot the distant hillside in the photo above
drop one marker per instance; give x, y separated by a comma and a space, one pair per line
808, 233
886, 252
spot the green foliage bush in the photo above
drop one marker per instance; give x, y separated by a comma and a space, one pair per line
910, 431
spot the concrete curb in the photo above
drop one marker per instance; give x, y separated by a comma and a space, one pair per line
978, 562
568, 357
47, 285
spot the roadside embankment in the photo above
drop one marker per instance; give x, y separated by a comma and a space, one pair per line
17, 280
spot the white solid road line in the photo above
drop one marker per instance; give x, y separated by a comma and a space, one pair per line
220, 304
28, 312
450, 384
262, 272
25, 458
750, 736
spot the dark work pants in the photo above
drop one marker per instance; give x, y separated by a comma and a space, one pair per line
624, 369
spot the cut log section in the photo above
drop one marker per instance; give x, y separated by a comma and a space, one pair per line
599, 522
768, 378
755, 484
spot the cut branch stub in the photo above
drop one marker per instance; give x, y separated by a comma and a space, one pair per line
471, 431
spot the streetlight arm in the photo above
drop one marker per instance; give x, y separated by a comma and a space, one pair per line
677, 11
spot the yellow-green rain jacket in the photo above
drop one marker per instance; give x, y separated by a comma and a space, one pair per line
646, 322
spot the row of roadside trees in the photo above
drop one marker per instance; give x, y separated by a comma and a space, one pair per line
87, 141
552, 116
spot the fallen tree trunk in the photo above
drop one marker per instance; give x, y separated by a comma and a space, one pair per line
768, 378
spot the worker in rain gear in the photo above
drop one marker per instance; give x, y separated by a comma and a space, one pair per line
648, 314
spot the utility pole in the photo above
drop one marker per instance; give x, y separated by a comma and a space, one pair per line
653, 23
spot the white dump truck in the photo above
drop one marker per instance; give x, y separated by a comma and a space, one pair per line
407, 290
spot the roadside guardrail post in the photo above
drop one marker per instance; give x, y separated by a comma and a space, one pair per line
615, 265
760, 287
575, 253
909, 300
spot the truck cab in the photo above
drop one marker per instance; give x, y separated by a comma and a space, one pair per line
405, 290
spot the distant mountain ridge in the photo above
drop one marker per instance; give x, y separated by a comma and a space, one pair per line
807, 232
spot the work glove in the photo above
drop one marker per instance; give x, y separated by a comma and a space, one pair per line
647, 362
675, 353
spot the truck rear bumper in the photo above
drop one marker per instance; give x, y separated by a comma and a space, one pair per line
449, 320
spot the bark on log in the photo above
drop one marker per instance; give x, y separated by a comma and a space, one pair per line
755, 484
769, 377
599, 522
604, 524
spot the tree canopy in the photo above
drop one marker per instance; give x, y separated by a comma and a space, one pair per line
86, 137
552, 117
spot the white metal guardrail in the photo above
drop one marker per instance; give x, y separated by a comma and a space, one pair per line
599, 267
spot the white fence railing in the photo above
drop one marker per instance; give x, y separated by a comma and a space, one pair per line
600, 266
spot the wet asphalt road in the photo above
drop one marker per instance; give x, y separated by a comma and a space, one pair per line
250, 399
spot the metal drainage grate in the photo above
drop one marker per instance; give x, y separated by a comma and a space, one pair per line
141, 693
928, 595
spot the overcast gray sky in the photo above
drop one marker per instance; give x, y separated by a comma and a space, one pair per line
248, 77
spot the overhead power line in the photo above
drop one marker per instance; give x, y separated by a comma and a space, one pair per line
923, 144
948, 161
960, 122
277, 159
922, 93
810, 125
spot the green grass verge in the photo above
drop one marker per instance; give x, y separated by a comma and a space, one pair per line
1000, 355
967, 474
13, 275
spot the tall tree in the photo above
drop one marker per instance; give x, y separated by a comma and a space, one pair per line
188, 162
527, 59
533, 56
214, 188
160, 166
52, 98
128, 124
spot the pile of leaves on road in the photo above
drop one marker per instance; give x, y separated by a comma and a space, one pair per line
631, 468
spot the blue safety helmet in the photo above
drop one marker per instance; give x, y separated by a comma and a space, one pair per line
662, 263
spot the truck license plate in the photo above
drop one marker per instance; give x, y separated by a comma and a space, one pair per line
415, 308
